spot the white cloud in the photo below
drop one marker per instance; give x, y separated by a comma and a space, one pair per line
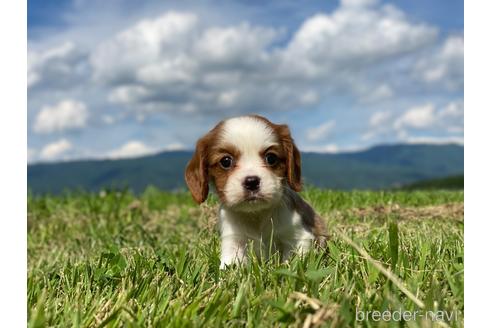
451, 117
419, 117
175, 146
445, 66
327, 148
31, 154
321, 131
66, 115
330, 148
130, 149
353, 37
435, 140
59, 66
228, 98
176, 63
379, 118
381, 92
454, 109
309, 97
54, 150
151, 43
184, 66
183, 63
426, 116
358, 3
175, 70
334, 148
238, 45
440, 123
127, 94
108, 119
379, 122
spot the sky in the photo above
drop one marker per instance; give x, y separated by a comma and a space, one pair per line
117, 79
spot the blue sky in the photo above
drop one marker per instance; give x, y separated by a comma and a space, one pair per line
121, 78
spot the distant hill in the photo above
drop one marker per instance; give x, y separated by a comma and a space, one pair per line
380, 167
455, 182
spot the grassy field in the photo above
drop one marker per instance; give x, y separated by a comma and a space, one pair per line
113, 259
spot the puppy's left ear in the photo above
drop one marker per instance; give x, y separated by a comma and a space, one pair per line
196, 174
293, 160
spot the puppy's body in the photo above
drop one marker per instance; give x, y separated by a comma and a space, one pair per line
254, 166
291, 225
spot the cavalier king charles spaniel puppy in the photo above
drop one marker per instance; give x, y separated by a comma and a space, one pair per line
255, 169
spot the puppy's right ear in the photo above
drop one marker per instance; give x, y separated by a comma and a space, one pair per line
196, 174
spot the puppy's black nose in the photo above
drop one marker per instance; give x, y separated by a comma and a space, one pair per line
252, 183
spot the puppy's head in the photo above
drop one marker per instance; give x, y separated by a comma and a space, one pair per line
249, 160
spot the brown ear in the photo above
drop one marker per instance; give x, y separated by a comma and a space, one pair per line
293, 160
196, 174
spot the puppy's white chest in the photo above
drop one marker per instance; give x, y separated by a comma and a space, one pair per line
245, 226
281, 229
282, 223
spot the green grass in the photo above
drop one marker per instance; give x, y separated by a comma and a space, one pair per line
113, 259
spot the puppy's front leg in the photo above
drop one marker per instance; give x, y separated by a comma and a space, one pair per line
233, 250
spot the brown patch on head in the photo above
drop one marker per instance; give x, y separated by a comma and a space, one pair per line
280, 168
288, 151
219, 175
197, 170
204, 167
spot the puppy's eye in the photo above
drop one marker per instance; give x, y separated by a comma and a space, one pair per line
271, 159
226, 162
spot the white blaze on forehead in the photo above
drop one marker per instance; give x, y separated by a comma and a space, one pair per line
248, 134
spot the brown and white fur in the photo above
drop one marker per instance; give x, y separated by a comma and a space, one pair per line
255, 168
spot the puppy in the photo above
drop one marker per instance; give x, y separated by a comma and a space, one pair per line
255, 168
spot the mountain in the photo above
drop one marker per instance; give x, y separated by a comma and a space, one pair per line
455, 182
380, 167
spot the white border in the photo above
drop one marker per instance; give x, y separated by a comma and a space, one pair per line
13, 134
478, 166
478, 93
